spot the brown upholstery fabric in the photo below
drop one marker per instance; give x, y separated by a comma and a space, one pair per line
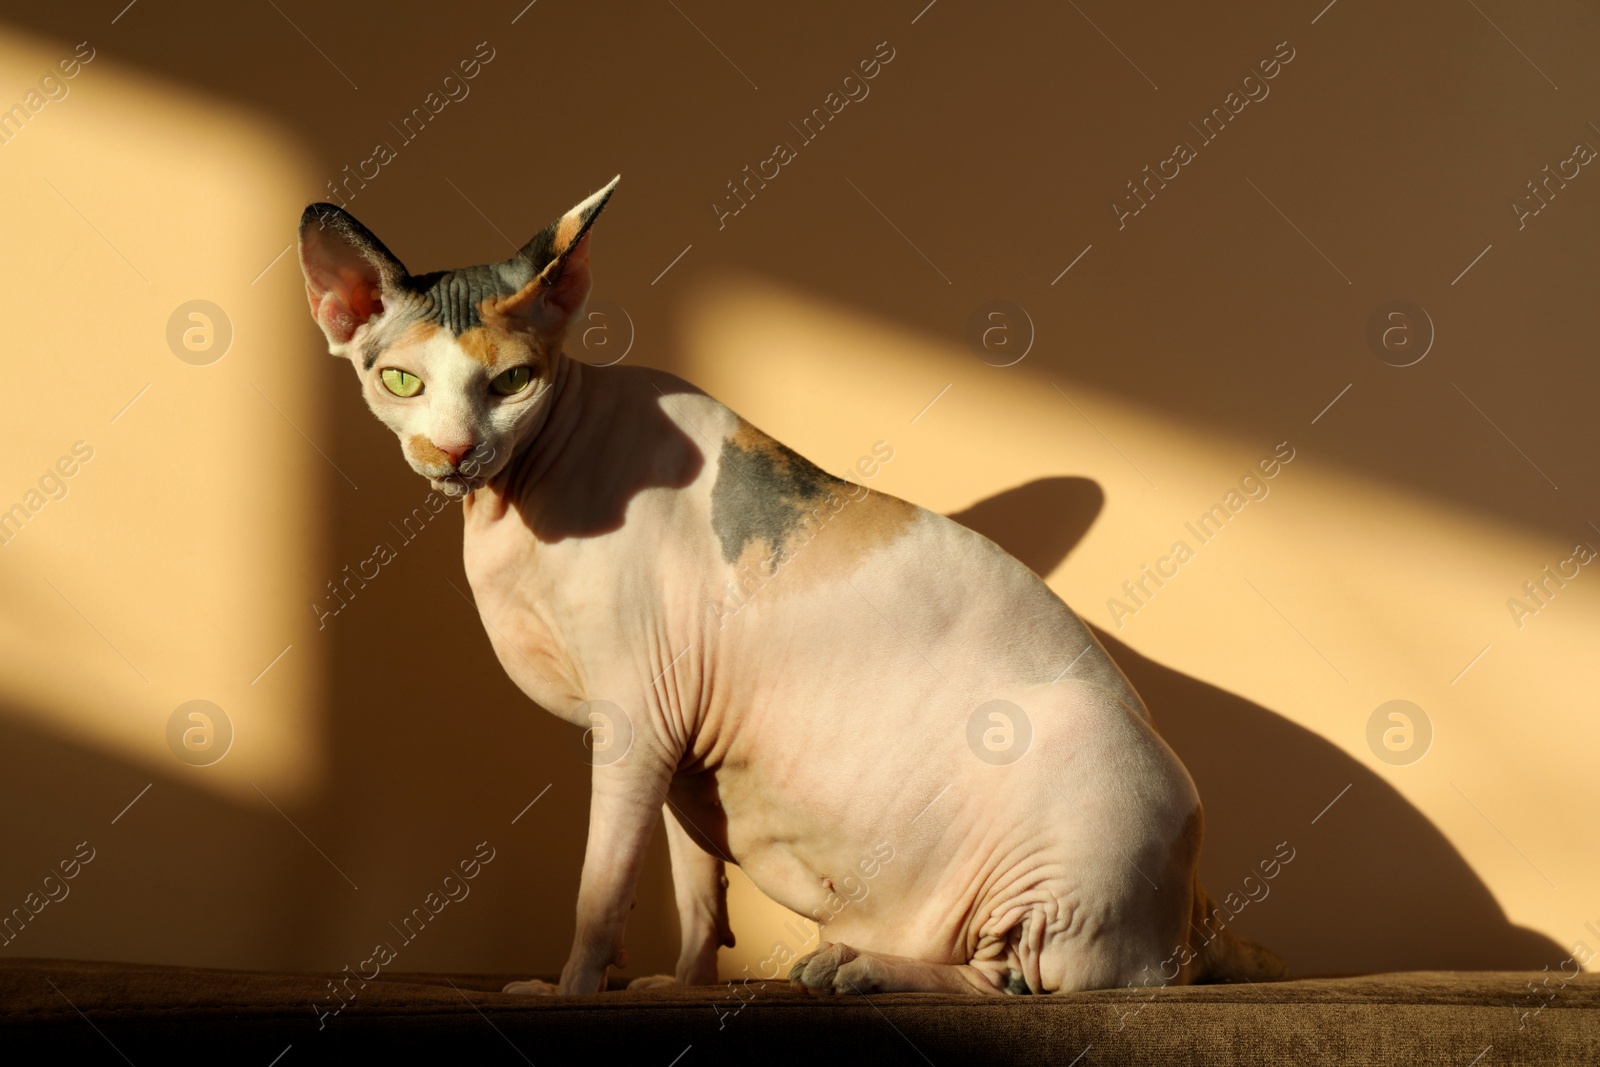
150, 1014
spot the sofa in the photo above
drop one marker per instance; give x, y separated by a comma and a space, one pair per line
72, 1011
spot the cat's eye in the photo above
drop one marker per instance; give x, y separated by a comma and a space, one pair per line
512, 381
401, 382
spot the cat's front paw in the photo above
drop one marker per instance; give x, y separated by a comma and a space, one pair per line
533, 986
834, 968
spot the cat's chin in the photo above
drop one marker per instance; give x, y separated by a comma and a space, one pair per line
454, 487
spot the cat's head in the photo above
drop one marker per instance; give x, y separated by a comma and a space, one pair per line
458, 363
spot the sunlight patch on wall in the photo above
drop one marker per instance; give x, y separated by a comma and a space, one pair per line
158, 488
1314, 591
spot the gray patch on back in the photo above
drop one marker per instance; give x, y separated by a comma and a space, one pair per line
764, 494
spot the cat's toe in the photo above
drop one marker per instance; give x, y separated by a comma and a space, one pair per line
532, 986
824, 971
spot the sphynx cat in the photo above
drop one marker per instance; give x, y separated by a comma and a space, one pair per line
892, 726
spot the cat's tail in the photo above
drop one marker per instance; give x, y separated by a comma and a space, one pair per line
1223, 956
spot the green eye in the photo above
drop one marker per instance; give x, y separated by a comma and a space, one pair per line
512, 381
401, 382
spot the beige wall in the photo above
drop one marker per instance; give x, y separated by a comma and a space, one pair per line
1176, 353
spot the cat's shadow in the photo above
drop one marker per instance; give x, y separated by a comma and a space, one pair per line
612, 470
1373, 886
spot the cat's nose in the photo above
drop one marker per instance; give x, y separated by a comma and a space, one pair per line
454, 452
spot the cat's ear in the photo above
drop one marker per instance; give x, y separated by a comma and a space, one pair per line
348, 271
559, 256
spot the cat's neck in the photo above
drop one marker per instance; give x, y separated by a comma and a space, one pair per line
561, 414
544, 442
603, 437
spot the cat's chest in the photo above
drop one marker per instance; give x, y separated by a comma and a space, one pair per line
523, 590
499, 553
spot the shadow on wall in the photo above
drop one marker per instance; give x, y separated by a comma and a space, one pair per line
427, 757
177, 874
1374, 886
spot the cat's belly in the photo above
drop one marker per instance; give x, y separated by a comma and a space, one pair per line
815, 872
901, 840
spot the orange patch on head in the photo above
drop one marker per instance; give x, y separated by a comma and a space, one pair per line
424, 452
497, 347
414, 335
495, 310
480, 344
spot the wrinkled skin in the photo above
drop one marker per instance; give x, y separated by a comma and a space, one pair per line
799, 671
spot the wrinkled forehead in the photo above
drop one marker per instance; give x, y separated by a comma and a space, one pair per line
446, 311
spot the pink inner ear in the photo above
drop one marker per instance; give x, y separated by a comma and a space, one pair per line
342, 287
340, 310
